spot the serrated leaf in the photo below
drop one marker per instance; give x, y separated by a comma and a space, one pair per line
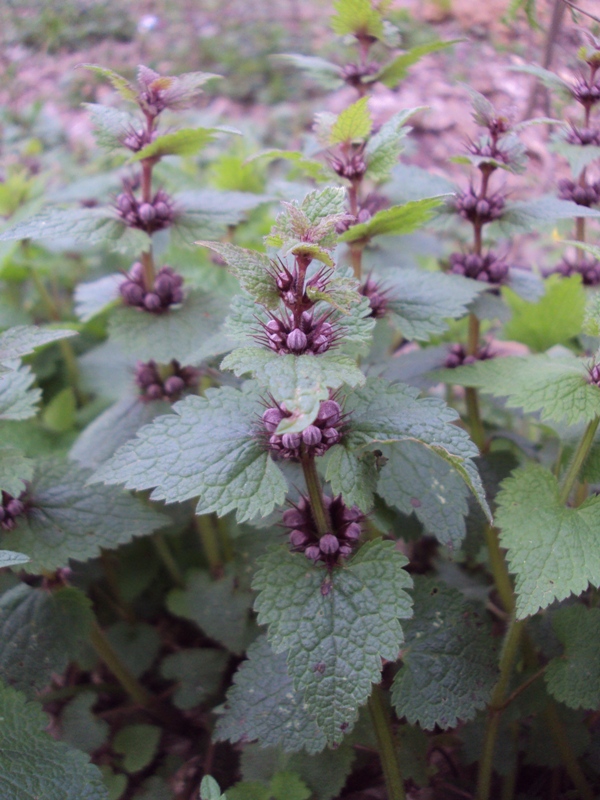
573, 678
219, 607
198, 673
40, 633
449, 660
17, 399
420, 302
262, 705
115, 426
557, 388
531, 215
551, 548
184, 142
80, 727
10, 559
24, 339
353, 475
207, 213
326, 74
550, 79
207, 448
384, 147
33, 765
396, 70
341, 291
66, 519
111, 125
253, 270
15, 470
327, 621
409, 183
314, 169
93, 298
353, 124
89, 226
556, 318
324, 203
188, 334
395, 221
137, 744
417, 480
123, 87
301, 382
357, 17
578, 156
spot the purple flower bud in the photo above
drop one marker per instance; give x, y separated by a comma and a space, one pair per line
293, 517
125, 203
154, 391
331, 436
145, 374
298, 538
162, 287
136, 273
306, 321
345, 550
132, 293
146, 212
274, 326
161, 210
297, 341
353, 531
271, 419
176, 296
313, 552
329, 413
174, 385
329, 544
291, 441
15, 507
311, 435
152, 302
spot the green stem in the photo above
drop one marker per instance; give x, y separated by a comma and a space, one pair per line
166, 556
499, 569
510, 649
387, 746
315, 493
128, 681
579, 459
567, 755
356, 251
472, 399
210, 542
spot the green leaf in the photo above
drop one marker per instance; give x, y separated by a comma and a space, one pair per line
326, 74
574, 677
314, 169
353, 475
138, 745
66, 519
357, 17
411, 183
80, 727
551, 548
207, 213
207, 448
10, 559
262, 705
449, 661
95, 297
253, 270
549, 79
556, 318
184, 142
326, 621
123, 87
209, 789
113, 428
24, 339
199, 673
383, 148
578, 156
17, 399
15, 470
557, 388
187, 334
251, 790
40, 633
324, 203
531, 215
395, 71
341, 291
353, 124
283, 786
219, 607
420, 302
136, 644
33, 765
417, 480
59, 413
89, 226
110, 125
395, 221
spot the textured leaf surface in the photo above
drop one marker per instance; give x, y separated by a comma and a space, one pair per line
552, 549
521, 217
10, 559
219, 607
94, 297
110, 125
34, 766
67, 519
353, 475
356, 16
449, 662
421, 302
574, 677
184, 142
17, 399
40, 633
207, 448
188, 334
335, 629
396, 70
15, 470
352, 124
557, 388
384, 147
206, 213
395, 221
198, 672
23, 340
253, 270
262, 705
80, 727
137, 744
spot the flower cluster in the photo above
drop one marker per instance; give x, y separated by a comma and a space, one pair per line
349, 164
582, 194
594, 373
10, 508
488, 268
458, 356
587, 267
168, 387
584, 135
315, 440
150, 216
337, 543
479, 210
378, 297
311, 333
166, 292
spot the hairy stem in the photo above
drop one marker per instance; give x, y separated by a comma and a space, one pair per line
315, 493
499, 569
166, 556
579, 459
510, 649
149, 272
387, 746
210, 543
356, 251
